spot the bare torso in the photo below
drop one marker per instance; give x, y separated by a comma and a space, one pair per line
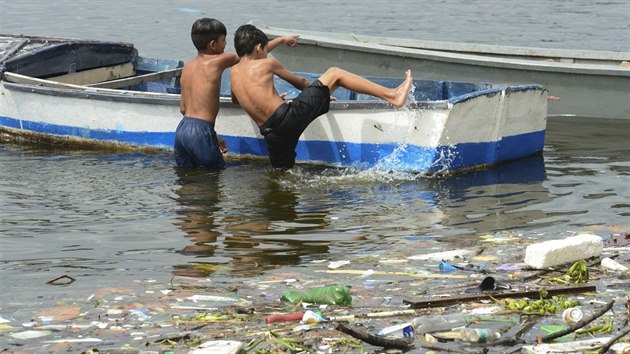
252, 84
201, 84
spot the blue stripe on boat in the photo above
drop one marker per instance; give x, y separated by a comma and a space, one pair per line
415, 158
399, 157
152, 139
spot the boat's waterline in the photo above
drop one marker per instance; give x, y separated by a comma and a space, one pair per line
403, 157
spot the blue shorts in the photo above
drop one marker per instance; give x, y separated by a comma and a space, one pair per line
283, 129
196, 144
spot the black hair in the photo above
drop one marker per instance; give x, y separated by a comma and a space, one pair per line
247, 37
205, 30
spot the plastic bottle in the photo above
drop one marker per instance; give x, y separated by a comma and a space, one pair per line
311, 317
479, 335
331, 295
439, 323
572, 315
398, 331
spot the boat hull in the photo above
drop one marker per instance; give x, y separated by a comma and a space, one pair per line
587, 90
467, 132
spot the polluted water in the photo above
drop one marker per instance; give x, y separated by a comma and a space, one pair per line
374, 302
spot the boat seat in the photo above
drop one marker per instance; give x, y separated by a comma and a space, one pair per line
97, 75
169, 83
452, 89
160, 81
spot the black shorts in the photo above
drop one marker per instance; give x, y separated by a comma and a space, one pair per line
283, 129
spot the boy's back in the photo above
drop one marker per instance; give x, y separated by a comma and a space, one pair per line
252, 83
201, 84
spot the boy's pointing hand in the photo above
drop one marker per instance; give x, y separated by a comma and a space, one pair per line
291, 40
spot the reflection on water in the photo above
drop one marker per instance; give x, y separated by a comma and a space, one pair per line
253, 239
311, 211
498, 199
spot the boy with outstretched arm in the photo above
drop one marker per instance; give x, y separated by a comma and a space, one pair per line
196, 142
282, 123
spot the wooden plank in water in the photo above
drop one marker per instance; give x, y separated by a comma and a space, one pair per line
97, 75
140, 79
418, 303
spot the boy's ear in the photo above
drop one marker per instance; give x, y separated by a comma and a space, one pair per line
211, 44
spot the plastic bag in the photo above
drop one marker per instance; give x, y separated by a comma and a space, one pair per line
331, 295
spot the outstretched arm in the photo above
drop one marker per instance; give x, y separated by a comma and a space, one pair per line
290, 41
228, 59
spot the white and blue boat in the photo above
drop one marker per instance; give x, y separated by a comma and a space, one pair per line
105, 94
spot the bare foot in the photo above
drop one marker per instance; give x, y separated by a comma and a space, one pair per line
399, 96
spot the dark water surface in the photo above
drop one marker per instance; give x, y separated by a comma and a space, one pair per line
111, 219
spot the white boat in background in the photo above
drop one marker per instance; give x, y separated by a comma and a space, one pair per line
588, 83
104, 94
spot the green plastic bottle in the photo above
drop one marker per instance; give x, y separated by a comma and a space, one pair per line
331, 295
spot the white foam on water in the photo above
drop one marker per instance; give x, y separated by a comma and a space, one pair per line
309, 177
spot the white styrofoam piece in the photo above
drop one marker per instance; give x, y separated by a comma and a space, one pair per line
218, 347
555, 252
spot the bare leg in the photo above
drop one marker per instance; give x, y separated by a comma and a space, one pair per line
335, 77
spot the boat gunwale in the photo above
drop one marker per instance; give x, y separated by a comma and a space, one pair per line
481, 48
467, 59
54, 88
68, 90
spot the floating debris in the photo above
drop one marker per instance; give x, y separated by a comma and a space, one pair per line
386, 302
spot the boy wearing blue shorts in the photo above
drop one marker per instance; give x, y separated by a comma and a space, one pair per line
196, 142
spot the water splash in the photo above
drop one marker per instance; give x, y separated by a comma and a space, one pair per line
444, 160
306, 176
388, 168
389, 163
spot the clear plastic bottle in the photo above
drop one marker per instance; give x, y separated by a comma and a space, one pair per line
438, 323
479, 335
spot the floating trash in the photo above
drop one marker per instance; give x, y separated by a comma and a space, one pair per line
30, 334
